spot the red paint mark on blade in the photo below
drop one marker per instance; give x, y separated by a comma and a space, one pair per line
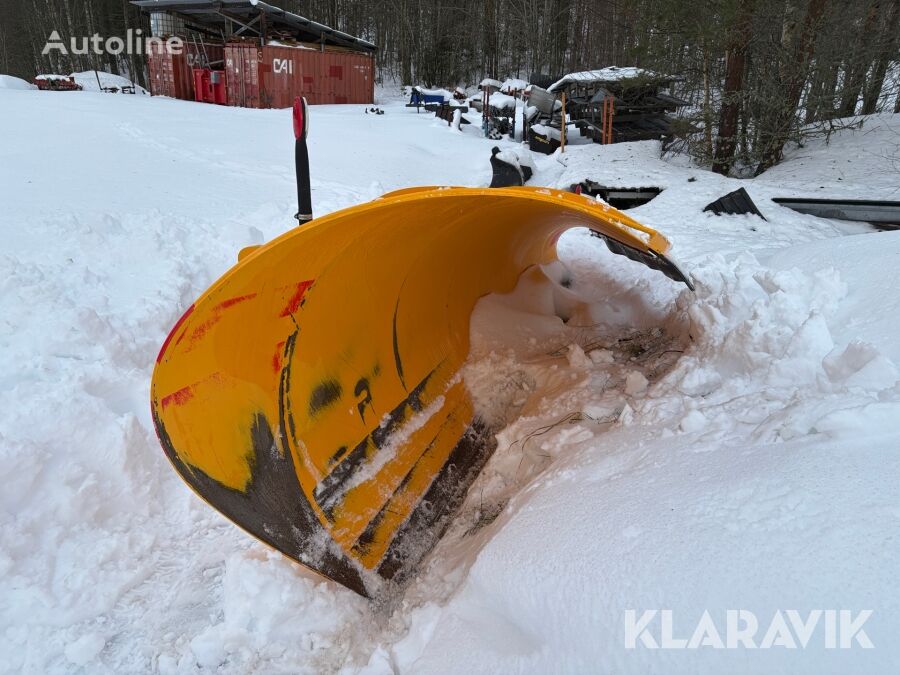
215, 316
297, 299
180, 397
185, 394
231, 302
277, 357
201, 330
173, 331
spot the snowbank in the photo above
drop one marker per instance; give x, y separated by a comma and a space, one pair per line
850, 164
8, 82
747, 475
866, 263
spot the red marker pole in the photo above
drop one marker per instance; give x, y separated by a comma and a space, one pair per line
301, 161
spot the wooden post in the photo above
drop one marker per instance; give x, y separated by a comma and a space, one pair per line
608, 112
562, 126
607, 131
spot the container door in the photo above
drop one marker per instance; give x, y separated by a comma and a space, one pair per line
233, 73
241, 75
252, 90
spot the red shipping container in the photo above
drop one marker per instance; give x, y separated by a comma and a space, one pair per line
172, 74
271, 76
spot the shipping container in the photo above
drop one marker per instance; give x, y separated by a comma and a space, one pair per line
173, 74
242, 75
271, 76
267, 55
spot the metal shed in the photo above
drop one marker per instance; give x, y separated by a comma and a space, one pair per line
266, 55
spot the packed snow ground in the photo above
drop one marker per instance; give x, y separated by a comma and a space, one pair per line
735, 448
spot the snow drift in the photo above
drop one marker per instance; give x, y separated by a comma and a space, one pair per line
9, 82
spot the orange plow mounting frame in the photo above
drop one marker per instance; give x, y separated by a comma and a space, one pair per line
312, 393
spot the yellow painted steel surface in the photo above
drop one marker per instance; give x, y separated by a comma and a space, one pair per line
312, 395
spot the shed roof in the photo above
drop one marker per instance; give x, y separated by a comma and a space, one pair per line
608, 76
218, 14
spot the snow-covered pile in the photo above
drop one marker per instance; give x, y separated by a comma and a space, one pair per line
734, 448
9, 82
518, 157
502, 101
489, 82
424, 91
511, 84
546, 130
88, 81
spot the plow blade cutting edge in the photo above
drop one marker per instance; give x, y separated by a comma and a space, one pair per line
312, 394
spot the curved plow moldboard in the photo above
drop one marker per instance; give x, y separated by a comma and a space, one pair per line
312, 394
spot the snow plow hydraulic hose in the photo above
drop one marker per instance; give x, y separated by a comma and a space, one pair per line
312, 393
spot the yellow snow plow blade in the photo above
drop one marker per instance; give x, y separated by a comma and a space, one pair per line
312, 393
